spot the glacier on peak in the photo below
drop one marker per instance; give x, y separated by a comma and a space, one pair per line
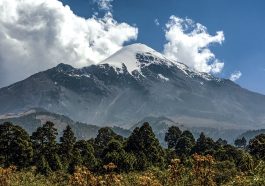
134, 56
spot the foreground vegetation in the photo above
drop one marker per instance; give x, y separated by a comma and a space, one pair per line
110, 159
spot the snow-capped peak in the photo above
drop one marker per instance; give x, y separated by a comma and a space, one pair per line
130, 56
137, 56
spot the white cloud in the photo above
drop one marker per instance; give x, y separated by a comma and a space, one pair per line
156, 21
104, 4
189, 43
235, 76
36, 35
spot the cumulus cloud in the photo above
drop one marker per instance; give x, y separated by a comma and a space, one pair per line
36, 35
189, 43
104, 4
235, 76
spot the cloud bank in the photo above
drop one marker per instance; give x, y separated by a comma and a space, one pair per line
36, 35
235, 76
189, 43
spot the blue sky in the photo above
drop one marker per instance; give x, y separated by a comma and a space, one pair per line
242, 21
204, 34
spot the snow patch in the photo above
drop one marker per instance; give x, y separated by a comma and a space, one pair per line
127, 56
163, 77
17, 115
79, 75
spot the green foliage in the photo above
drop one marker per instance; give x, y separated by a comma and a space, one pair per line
250, 134
257, 146
220, 142
84, 155
144, 145
184, 145
44, 139
45, 146
109, 159
105, 135
241, 158
189, 135
204, 145
225, 171
29, 177
115, 153
15, 146
241, 142
43, 165
66, 149
172, 136
244, 161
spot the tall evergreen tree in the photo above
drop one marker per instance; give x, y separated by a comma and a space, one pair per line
188, 135
115, 153
15, 146
145, 146
67, 146
84, 151
221, 142
104, 136
257, 146
172, 136
241, 142
185, 144
44, 144
204, 145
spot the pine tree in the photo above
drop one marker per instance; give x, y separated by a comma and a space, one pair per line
188, 135
84, 153
221, 142
241, 142
104, 136
15, 146
185, 144
204, 145
115, 153
43, 165
145, 146
172, 136
44, 144
257, 146
67, 146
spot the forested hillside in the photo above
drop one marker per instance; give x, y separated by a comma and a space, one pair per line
110, 159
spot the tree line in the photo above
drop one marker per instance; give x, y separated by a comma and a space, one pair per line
140, 151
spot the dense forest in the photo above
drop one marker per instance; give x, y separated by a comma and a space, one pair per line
110, 159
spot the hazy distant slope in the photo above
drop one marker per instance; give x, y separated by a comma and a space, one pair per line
35, 118
250, 134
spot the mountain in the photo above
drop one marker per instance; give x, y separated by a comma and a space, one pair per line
250, 134
161, 124
34, 118
135, 83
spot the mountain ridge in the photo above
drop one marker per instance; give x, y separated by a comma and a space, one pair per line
113, 94
34, 118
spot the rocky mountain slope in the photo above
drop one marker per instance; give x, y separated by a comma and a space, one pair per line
134, 83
